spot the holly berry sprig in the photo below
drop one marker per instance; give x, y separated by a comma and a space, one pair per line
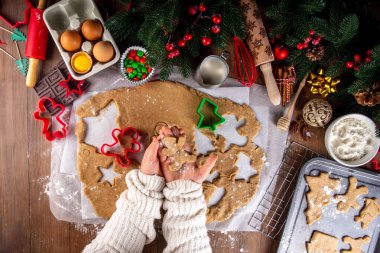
357, 60
173, 48
313, 38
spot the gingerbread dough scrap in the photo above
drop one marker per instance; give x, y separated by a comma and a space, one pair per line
322, 243
345, 201
355, 244
369, 212
173, 104
174, 148
319, 195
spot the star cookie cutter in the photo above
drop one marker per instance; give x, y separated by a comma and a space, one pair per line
21, 22
50, 135
122, 158
201, 123
68, 86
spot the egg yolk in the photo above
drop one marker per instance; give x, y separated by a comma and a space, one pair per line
82, 63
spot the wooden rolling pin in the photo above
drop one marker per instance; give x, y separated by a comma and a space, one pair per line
36, 43
258, 43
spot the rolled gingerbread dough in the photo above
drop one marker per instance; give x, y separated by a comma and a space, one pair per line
144, 107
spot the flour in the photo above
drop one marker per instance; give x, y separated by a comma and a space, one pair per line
351, 139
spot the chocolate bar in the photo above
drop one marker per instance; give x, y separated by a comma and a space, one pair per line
49, 86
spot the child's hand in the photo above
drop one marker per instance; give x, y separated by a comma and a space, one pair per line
150, 164
190, 170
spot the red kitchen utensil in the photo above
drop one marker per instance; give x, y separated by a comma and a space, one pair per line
20, 22
122, 158
47, 121
36, 43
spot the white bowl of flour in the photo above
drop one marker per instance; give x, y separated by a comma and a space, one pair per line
351, 140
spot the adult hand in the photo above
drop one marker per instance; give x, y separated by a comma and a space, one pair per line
150, 164
190, 170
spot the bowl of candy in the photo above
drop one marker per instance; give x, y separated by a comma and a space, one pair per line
134, 67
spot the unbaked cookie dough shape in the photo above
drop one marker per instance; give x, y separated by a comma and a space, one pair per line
143, 107
355, 243
319, 195
369, 212
322, 243
350, 198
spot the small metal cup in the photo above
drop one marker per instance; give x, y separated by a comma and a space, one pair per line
213, 71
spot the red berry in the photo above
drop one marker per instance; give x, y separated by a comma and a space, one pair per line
176, 53
272, 40
169, 46
206, 41
202, 7
311, 32
305, 45
149, 69
137, 58
368, 59
308, 39
181, 43
143, 76
356, 68
143, 60
129, 70
349, 64
299, 46
192, 10
369, 52
315, 42
357, 58
216, 19
170, 55
215, 29
188, 36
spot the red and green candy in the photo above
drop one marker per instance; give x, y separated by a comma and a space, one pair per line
135, 65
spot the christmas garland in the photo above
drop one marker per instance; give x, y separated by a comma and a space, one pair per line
338, 37
174, 32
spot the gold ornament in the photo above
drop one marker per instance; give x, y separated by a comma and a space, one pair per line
317, 113
321, 84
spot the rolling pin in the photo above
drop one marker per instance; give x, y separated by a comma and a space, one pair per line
258, 43
36, 43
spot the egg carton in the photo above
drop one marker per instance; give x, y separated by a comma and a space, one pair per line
69, 15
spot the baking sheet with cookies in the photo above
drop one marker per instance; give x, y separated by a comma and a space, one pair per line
332, 222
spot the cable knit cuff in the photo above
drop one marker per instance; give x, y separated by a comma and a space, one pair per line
183, 190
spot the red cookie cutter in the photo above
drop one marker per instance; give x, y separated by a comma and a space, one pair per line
19, 23
122, 158
67, 84
47, 122
375, 164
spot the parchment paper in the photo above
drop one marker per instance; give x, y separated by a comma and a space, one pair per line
66, 199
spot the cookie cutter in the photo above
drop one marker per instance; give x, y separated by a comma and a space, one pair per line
50, 135
69, 90
22, 22
211, 126
375, 164
122, 158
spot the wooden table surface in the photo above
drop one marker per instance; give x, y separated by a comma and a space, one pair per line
26, 223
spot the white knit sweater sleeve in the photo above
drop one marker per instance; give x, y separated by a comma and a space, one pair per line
131, 225
184, 224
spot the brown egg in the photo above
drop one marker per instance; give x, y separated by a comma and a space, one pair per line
103, 51
71, 40
92, 30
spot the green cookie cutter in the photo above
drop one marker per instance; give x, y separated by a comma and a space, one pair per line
213, 126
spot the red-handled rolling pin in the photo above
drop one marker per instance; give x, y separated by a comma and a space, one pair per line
36, 43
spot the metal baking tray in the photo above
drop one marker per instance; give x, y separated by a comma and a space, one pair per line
297, 232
